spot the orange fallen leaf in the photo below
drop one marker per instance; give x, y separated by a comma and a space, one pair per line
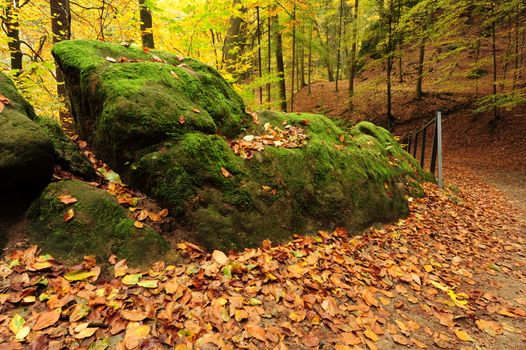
225, 172
138, 224
256, 332
133, 315
70, 213
67, 199
370, 334
463, 335
135, 334
46, 319
400, 339
163, 213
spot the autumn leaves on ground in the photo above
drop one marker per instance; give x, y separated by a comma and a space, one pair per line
449, 276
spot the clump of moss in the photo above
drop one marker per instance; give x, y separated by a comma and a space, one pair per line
99, 227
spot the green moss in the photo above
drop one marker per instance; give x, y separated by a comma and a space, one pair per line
100, 226
26, 153
67, 154
123, 108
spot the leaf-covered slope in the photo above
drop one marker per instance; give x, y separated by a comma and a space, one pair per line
173, 127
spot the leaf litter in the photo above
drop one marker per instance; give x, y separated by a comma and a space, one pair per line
421, 282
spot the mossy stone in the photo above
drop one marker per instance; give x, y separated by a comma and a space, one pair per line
26, 153
166, 127
100, 226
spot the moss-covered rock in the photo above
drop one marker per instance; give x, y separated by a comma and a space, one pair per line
133, 112
26, 153
67, 154
100, 226
123, 109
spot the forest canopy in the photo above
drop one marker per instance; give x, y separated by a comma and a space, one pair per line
271, 48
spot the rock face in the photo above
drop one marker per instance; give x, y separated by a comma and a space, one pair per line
26, 153
167, 125
100, 226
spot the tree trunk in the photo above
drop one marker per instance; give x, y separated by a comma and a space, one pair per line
234, 40
389, 67
309, 64
420, 71
302, 82
146, 25
293, 58
61, 30
494, 56
338, 53
326, 57
352, 66
517, 33
10, 19
280, 67
269, 58
260, 64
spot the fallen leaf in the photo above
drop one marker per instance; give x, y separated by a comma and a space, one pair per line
133, 315
131, 279
219, 257
463, 335
138, 224
148, 283
47, 319
135, 334
370, 334
163, 213
70, 213
79, 275
18, 327
400, 339
489, 327
256, 332
67, 199
225, 172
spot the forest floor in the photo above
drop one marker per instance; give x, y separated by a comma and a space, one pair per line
452, 275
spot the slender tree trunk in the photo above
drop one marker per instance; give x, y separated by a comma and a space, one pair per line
507, 61
517, 33
146, 25
269, 58
309, 69
260, 64
400, 43
302, 82
293, 58
61, 30
389, 67
338, 54
216, 58
352, 66
326, 57
280, 66
419, 78
494, 56
10, 20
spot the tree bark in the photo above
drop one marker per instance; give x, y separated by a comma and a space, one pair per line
234, 40
494, 57
338, 54
61, 30
420, 71
280, 67
326, 57
309, 60
389, 67
146, 25
10, 20
260, 64
269, 58
352, 66
293, 58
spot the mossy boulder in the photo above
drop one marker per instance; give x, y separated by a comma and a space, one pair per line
125, 109
67, 155
99, 227
131, 112
26, 152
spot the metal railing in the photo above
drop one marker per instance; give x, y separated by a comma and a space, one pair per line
415, 143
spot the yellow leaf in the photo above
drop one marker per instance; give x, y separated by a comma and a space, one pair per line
439, 286
68, 215
17, 326
135, 334
370, 334
131, 279
240, 315
79, 275
148, 283
462, 335
85, 333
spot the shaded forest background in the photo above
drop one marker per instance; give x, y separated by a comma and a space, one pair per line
377, 55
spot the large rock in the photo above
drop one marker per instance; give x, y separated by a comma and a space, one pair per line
99, 227
26, 152
165, 126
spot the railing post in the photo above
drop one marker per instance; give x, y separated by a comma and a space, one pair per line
439, 149
416, 144
423, 150
433, 162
